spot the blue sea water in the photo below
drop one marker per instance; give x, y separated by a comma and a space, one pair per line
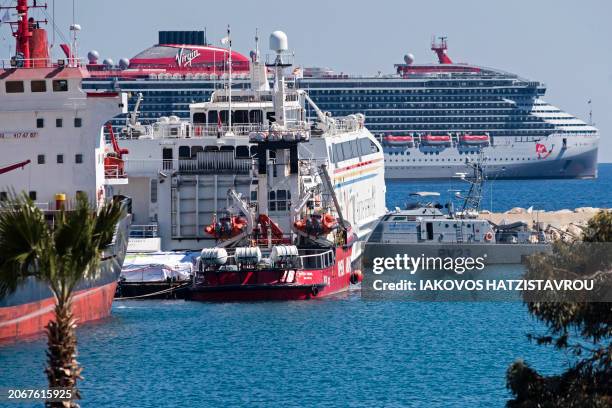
336, 352
502, 195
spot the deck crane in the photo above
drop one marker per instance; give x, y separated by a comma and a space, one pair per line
14, 166
114, 166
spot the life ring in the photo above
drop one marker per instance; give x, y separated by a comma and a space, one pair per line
198, 131
488, 236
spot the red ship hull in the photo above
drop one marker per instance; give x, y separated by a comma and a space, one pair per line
28, 310
31, 318
301, 284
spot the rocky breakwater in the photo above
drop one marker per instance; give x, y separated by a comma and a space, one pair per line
559, 224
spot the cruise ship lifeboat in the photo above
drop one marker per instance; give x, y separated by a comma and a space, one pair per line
317, 224
226, 227
399, 140
476, 140
436, 140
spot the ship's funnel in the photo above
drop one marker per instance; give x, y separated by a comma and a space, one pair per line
39, 48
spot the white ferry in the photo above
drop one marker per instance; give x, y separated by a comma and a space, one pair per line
185, 175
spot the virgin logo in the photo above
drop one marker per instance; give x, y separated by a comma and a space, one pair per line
542, 151
184, 57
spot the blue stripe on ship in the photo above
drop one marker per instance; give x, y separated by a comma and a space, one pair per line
346, 183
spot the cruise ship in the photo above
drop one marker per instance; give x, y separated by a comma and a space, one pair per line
429, 117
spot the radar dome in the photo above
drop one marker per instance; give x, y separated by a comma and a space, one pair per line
108, 62
408, 58
93, 56
124, 63
278, 41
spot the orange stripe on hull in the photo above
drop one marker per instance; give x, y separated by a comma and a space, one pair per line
25, 320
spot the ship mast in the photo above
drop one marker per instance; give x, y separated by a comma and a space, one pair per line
23, 32
471, 202
229, 113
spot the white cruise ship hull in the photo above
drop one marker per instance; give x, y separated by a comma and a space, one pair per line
518, 161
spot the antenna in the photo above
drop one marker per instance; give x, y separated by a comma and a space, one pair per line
53, 33
257, 44
590, 113
74, 29
230, 78
440, 50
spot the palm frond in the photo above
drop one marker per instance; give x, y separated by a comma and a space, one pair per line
24, 236
106, 222
76, 245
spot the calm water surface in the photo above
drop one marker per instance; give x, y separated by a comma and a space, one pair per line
340, 351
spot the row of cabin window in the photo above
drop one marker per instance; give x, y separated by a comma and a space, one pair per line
352, 149
58, 85
32, 194
238, 116
78, 158
59, 122
187, 152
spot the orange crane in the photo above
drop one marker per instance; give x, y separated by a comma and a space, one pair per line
113, 162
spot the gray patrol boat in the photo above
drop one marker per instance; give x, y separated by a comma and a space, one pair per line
430, 229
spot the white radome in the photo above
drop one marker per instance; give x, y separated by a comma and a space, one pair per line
93, 56
278, 41
409, 58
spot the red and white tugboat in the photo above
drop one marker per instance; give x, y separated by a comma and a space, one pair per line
317, 190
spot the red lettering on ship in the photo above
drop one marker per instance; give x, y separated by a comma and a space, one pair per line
542, 151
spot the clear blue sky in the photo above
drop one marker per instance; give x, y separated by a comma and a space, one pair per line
563, 44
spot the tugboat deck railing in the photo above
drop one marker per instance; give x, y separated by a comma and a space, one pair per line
323, 258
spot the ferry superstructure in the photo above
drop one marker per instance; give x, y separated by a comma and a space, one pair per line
52, 148
442, 113
260, 160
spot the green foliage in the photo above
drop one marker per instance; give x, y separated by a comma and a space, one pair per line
599, 228
584, 328
61, 251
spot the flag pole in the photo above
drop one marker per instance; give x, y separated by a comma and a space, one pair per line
230, 80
